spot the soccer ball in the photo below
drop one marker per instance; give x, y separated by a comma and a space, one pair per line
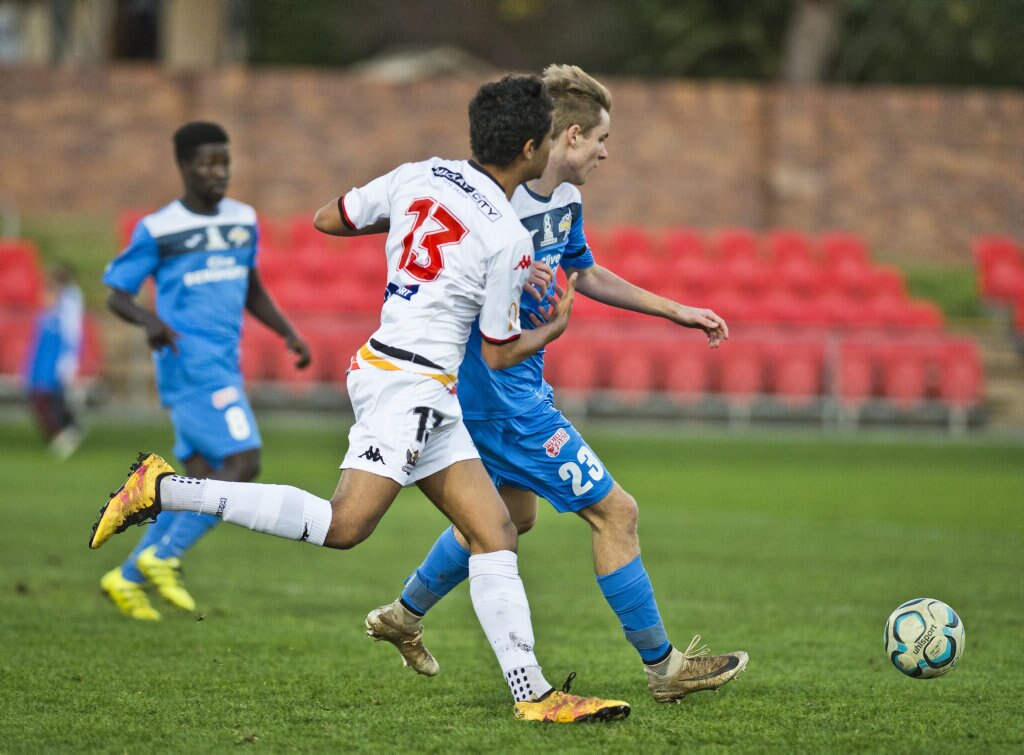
924, 638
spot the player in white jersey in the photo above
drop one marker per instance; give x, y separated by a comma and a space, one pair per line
455, 251
528, 446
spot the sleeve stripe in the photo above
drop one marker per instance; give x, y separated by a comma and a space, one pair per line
344, 215
500, 341
574, 255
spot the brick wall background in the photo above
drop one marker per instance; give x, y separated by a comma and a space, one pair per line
919, 172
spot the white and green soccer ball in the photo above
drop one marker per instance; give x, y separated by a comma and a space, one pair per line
924, 638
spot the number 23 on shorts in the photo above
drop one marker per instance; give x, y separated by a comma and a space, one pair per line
572, 472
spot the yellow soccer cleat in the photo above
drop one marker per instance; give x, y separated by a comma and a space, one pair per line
694, 671
165, 575
393, 623
128, 596
134, 502
560, 707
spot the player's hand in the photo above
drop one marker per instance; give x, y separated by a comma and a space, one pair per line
541, 277
159, 334
298, 346
557, 314
713, 325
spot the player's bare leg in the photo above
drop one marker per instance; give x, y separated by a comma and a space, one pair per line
464, 493
675, 674
359, 502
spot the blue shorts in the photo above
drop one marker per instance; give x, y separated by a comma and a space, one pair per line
542, 452
214, 425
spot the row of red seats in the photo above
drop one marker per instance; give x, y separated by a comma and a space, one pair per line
16, 328
796, 371
21, 275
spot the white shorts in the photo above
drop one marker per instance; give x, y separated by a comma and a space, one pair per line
408, 426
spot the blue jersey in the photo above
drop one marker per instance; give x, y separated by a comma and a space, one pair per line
56, 343
556, 225
201, 265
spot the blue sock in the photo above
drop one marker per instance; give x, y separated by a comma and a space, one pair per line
629, 592
188, 527
152, 536
445, 566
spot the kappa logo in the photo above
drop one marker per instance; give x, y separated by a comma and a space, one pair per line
373, 454
524, 263
553, 445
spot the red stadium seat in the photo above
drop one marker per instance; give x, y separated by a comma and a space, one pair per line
784, 246
1001, 281
574, 363
15, 335
990, 249
857, 373
735, 243
694, 274
687, 369
633, 241
796, 370
905, 374
741, 370
923, 315
632, 374
683, 243
797, 275
91, 363
961, 376
886, 280
841, 246
21, 287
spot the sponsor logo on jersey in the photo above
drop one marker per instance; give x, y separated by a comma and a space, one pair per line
218, 268
225, 397
194, 240
239, 236
553, 445
565, 225
405, 292
549, 237
482, 203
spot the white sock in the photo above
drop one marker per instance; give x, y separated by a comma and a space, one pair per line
280, 510
504, 613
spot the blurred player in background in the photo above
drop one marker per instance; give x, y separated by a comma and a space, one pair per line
531, 449
456, 254
53, 359
201, 251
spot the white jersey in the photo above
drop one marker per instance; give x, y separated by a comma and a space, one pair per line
455, 250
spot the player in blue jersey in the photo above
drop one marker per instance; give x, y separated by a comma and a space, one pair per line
53, 359
201, 252
528, 446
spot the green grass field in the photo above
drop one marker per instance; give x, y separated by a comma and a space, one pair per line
794, 550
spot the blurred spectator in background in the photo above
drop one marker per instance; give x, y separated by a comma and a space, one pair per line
52, 361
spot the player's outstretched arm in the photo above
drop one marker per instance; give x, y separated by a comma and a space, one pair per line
330, 219
259, 303
505, 355
601, 284
158, 333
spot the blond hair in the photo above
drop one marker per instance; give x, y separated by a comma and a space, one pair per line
579, 97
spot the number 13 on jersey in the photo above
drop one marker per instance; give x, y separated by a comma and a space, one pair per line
422, 257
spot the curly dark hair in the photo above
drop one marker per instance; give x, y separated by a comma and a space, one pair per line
506, 114
191, 136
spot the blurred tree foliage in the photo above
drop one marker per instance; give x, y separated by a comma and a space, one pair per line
977, 42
